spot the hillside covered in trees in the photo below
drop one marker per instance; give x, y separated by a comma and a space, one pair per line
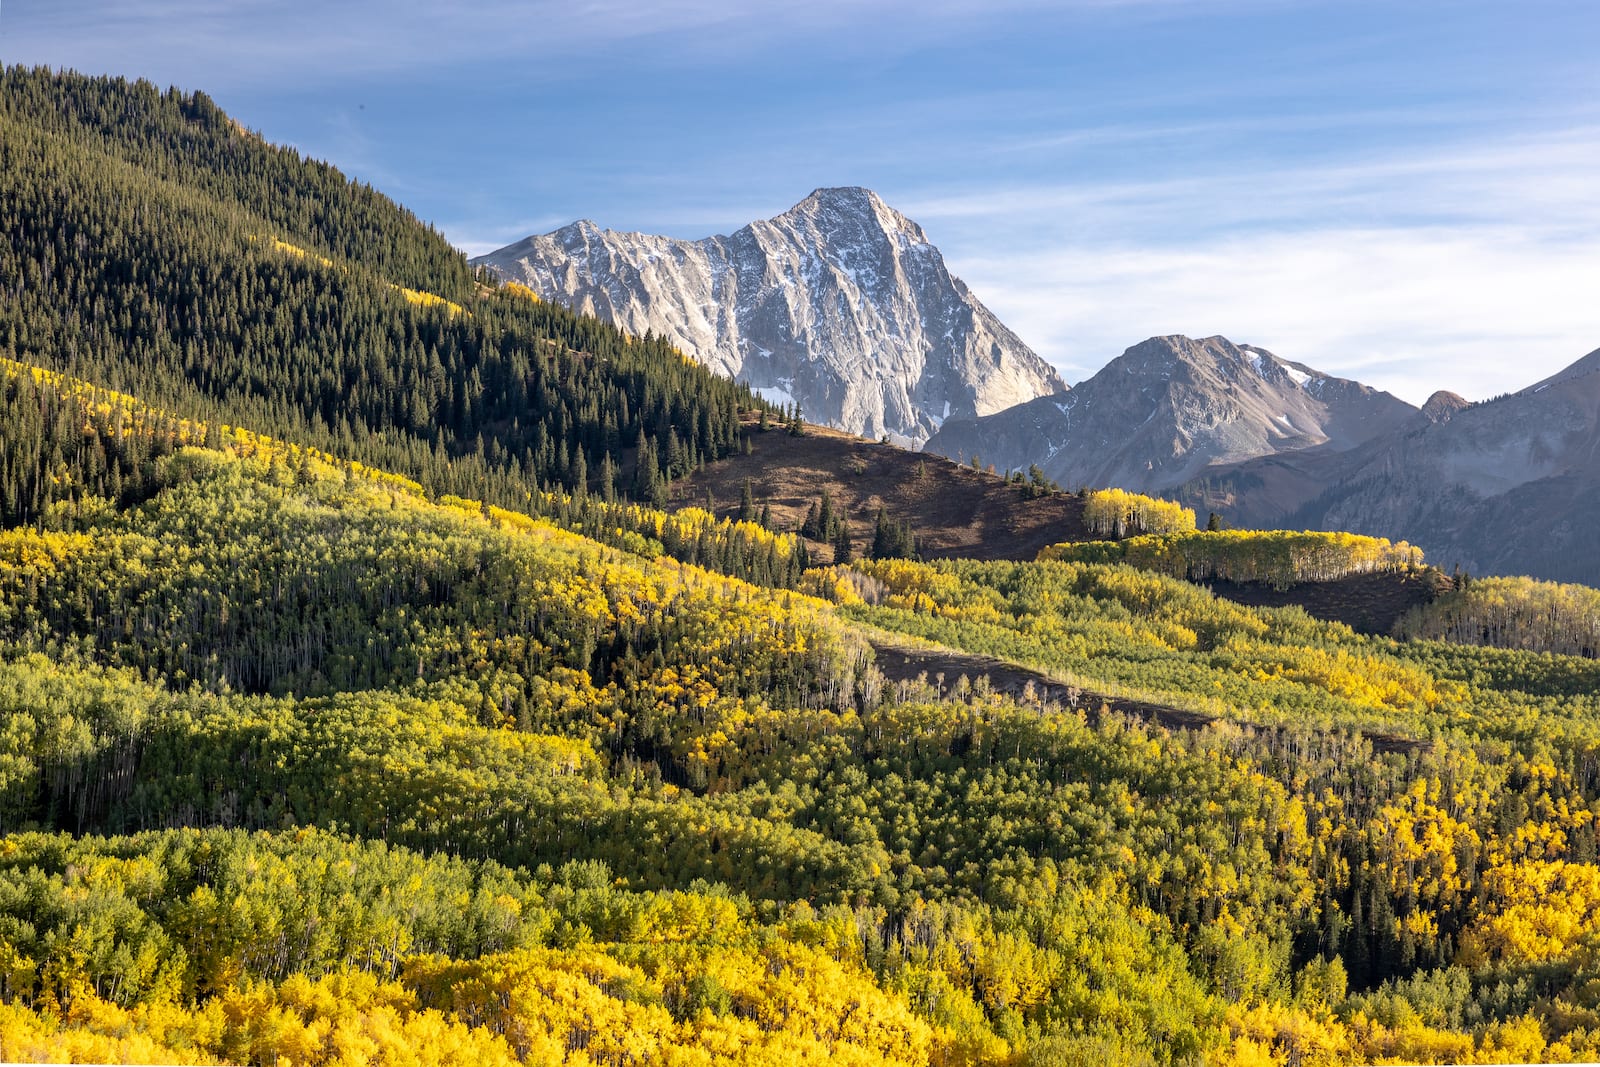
331, 731
156, 248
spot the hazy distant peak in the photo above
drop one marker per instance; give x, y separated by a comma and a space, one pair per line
1169, 407
1443, 405
1505, 486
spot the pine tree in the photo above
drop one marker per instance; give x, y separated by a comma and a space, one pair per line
843, 547
812, 526
608, 478
747, 502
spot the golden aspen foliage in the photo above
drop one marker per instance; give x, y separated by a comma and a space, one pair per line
1280, 558
1119, 513
401, 728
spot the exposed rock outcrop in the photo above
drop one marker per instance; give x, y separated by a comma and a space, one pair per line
839, 304
1167, 409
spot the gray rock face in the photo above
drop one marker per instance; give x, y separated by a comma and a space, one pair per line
1169, 408
839, 304
1443, 405
1508, 486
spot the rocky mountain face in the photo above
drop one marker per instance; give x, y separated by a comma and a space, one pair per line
839, 304
1509, 486
1171, 407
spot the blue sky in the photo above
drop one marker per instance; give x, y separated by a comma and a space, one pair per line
1402, 192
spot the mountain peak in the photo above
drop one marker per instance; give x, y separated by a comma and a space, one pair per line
582, 229
1169, 350
844, 196
1442, 406
840, 305
851, 209
1185, 345
1169, 407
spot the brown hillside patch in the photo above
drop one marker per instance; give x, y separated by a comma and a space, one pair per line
1367, 603
961, 513
954, 510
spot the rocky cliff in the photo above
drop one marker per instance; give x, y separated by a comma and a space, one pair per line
1169, 408
840, 304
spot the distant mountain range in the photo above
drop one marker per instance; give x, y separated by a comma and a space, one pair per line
1169, 408
842, 306
839, 304
1509, 486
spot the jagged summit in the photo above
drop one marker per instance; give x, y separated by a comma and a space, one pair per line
849, 211
1168, 408
840, 304
1443, 405
841, 193
848, 199
852, 196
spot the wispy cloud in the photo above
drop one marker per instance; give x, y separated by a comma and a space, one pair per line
1411, 311
1399, 193
246, 42
1470, 268
1545, 177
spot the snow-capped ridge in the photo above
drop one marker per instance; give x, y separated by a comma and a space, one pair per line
839, 304
1171, 406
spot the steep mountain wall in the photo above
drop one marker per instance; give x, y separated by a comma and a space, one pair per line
840, 304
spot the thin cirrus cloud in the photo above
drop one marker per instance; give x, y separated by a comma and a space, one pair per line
1468, 268
1543, 179
248, 42
1411, 311
1398, 193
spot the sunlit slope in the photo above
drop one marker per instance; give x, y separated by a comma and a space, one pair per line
155, 248
262, 636
434, 761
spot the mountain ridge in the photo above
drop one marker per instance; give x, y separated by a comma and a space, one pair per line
312, 751
1171, 406
1466, 480
840, 305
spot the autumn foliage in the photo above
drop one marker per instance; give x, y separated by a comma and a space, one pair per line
357, 705
1276, 557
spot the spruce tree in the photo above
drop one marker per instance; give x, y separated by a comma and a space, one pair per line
843, 547
747, 502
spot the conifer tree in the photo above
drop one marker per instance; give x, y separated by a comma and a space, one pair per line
843, 546
747, 502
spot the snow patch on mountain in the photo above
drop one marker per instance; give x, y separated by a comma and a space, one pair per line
1170, 407
840, 304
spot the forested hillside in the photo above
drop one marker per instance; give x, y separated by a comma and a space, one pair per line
320, 747
270, 641
155, 247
